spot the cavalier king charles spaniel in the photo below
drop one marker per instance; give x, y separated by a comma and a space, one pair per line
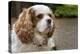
33, 30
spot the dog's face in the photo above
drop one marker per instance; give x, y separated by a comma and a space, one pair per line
35, 24
43, 18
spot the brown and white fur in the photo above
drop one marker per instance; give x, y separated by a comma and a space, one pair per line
33, 30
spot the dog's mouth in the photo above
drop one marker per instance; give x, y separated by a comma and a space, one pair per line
47, 29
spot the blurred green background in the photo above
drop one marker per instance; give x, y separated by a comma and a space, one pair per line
66, 11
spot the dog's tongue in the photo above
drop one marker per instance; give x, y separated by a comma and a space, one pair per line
46, 30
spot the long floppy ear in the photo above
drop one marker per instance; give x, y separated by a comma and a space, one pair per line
24, 26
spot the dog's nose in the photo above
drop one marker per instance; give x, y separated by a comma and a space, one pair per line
39, 45
49, 21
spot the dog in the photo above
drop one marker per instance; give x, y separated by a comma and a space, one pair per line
33, 30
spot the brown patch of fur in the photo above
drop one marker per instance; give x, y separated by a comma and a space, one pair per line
24, 27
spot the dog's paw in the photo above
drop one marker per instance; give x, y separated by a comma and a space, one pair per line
54, 48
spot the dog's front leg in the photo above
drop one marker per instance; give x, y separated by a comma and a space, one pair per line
51, 44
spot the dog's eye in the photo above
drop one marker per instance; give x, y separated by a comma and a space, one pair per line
49, 15
40, 16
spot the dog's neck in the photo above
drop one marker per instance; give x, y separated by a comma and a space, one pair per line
40, 39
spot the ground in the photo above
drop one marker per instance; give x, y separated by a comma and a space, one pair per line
66, 33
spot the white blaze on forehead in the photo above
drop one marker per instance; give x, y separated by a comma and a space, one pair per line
41, 9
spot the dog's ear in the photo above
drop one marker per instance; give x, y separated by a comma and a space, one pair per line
24, 26
31, 13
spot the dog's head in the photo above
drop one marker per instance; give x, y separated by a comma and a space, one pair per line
37, 19
43, 18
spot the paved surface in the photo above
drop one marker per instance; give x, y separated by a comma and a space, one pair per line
65, 34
